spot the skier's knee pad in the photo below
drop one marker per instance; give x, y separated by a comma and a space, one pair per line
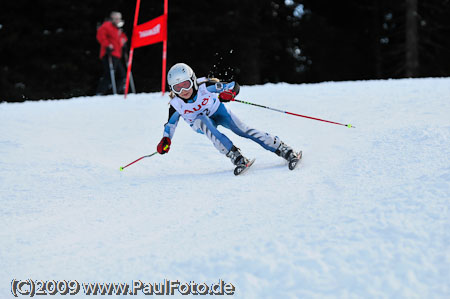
196, 125
220, 141
272, 141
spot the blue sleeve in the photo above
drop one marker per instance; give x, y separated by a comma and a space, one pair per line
220, 86
171, 125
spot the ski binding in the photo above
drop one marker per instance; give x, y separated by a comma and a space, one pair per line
294, 162
243, 168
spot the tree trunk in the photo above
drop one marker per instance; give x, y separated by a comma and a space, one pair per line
376, 36
412, 39
251, 68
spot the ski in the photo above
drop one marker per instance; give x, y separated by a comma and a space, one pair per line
243, 168
294, 162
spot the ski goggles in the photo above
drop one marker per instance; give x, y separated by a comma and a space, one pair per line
178, 88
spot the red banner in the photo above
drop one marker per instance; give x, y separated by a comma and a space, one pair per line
152, 32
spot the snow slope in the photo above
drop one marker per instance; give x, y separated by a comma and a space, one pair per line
366, 214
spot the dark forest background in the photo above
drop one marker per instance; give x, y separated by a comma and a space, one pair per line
48, 48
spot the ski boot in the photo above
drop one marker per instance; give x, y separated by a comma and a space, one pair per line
289, 154
241, 162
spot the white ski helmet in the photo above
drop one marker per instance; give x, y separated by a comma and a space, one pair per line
180, 73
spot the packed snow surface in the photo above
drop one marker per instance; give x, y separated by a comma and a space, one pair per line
365, 215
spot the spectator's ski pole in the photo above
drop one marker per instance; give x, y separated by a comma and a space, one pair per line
111, 72
295, 114
147, 156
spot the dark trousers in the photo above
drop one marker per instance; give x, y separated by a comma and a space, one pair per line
104, 84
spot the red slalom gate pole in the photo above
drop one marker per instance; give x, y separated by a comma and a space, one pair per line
130, 61
164, 55
295, 114
130, 58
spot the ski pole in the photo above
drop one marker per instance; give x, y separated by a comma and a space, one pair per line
147, 156
111, 72
295, 114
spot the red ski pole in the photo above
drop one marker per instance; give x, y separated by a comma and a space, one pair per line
147, 156
295, 114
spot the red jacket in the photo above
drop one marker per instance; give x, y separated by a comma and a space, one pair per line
108, 34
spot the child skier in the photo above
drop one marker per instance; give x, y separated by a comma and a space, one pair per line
200, 103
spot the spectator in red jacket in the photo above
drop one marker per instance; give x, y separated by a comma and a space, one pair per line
112, 41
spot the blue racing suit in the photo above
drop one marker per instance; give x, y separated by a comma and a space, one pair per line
216, 114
